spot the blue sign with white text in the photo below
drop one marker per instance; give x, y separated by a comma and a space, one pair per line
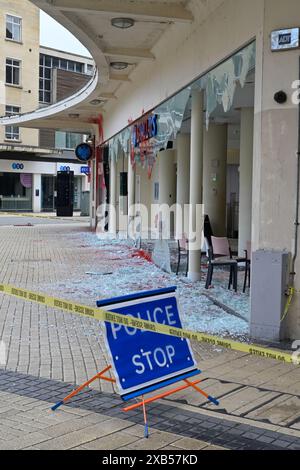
85, 170
142, 358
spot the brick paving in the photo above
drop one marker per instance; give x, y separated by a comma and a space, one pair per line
66, 350
91, 419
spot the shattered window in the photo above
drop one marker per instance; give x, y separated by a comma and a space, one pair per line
169, 120
219, 85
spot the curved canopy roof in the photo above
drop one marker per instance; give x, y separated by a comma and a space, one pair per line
117, 52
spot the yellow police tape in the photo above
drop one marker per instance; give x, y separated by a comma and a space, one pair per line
104, 316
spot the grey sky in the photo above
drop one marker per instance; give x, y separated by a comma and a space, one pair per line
52, 34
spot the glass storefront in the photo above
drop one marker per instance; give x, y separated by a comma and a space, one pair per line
48, 193
220, 86
15, 192
77, 192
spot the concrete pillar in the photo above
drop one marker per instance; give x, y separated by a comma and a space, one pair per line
36, 192
196, 177
131, 193
215, 176
167, 177
246, 171
113, 197
183, 182
93, 208
167, 185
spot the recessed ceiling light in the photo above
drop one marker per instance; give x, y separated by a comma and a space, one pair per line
119, 65
122, 23
96, 101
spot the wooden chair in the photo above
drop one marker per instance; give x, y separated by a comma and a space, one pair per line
220, 255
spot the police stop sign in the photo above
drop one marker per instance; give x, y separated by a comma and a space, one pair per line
142, 359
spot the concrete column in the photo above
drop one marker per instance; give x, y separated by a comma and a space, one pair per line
93, 208
113, 197
196, 177
167, 177
214, 177
36, 192
183, 182
167, 185
131, 192
246, 171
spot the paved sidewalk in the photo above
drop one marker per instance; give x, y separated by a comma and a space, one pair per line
23, 219
96, 421
62, 260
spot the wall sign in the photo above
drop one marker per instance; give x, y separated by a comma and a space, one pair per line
285, 39
17, 166
141, 358
84, 152
144, 130
85, 170
64, 168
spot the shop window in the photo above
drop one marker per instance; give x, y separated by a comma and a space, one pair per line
13, 28
13, 71
12, 132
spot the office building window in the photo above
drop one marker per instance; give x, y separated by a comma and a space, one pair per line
12, 132
45, 87
47, 64
89, 69
13, 28
68, 140
13, 72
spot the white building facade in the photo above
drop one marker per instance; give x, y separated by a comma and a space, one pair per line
222, 80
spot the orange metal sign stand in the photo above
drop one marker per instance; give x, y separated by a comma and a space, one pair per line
99, 376
144, 402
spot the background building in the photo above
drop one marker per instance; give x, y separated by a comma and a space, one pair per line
223, 78
32, 77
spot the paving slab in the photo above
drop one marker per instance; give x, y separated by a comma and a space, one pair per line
211, 386
112, 443
187, 443
283, 411
50, 344
243, 400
